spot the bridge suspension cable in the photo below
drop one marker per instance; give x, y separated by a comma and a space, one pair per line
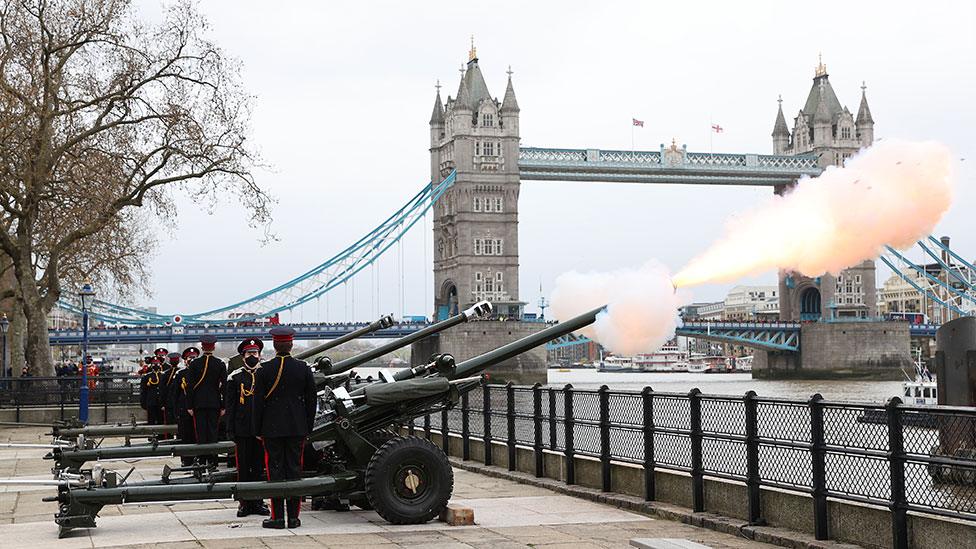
901, 274
310, 285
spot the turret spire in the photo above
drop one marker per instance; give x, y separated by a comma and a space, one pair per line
822, 114
473, 53
863, 112
437, 117
509, 104
780, 128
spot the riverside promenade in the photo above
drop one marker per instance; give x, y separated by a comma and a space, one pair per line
507, 515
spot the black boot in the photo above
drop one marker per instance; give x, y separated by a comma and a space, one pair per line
294, 507
244, 509
277, 519
261, 509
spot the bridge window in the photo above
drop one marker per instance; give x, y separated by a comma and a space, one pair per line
498, 204
488, 204
489, 283
477, 246
845, 133
498, 248
498, 282
489, 247
478, 280
489, 148
477, 203
487, 119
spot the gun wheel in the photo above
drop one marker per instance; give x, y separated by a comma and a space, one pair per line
409, 481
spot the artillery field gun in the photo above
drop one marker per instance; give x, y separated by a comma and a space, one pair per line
407, 480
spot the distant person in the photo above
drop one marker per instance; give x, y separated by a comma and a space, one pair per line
238, 402
151, 396
177, 399
284, 412
206, 376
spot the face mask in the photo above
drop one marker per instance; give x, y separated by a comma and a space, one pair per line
174, 362
251, 361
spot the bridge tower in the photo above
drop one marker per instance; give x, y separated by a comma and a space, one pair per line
827, 129
476, 220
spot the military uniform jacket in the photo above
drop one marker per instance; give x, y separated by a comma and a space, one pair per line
205, 378
284, 398
176, 391
167, 376
239, 402
151, 389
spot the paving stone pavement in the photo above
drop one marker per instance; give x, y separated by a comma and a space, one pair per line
508, 515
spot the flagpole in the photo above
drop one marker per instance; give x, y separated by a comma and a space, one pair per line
633, 151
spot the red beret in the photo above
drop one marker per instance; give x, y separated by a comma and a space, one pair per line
250, 344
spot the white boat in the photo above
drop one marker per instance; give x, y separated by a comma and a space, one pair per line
617, 364
666, 359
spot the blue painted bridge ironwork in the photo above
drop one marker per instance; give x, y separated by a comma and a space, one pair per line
770, 336
191, 334
669, 165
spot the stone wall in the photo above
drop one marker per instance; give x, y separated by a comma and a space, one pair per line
474, 338
878, 350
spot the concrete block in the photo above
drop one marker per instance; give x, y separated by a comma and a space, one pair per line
457, 515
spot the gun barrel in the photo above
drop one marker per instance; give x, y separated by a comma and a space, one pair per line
480, 309
115, 430
381, 323
474, 366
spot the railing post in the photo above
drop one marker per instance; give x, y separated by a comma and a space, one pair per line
604, 396
553, 437
510, 423
896, 464
465, 428
647, 399
569, 424
445, 433
818, 459
427, 426
752, 458
537, 429
697, 480
104, 401
486, 439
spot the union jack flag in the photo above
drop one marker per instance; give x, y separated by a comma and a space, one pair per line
717, 129
638, 122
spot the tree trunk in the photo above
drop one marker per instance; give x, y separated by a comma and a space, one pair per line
15, 340
38, 346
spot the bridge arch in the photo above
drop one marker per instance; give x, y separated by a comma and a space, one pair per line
810, 308
447, 301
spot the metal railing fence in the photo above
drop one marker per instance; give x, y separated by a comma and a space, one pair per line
904, 458
63, 391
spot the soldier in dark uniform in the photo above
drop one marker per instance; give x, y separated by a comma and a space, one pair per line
151, 395
284, 411
205, 379
238, 399
177, 400
169, 374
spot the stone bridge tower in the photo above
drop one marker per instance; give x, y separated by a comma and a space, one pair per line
476, 220
827, 129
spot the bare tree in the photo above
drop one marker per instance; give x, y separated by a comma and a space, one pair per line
101, 114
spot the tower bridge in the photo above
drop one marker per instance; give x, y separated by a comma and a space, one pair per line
477, 166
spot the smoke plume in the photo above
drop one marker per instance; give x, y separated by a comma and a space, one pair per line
892, 193
642, 306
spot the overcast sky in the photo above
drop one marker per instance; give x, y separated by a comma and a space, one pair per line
344, 92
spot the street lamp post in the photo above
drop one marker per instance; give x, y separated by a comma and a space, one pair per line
87, 296
4, 324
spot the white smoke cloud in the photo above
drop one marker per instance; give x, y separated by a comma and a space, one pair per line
892, 193
642, 306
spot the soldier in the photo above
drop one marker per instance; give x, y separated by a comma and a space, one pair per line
151, 396
177, 399
284, 411
238, 399
170, 413
205, 379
